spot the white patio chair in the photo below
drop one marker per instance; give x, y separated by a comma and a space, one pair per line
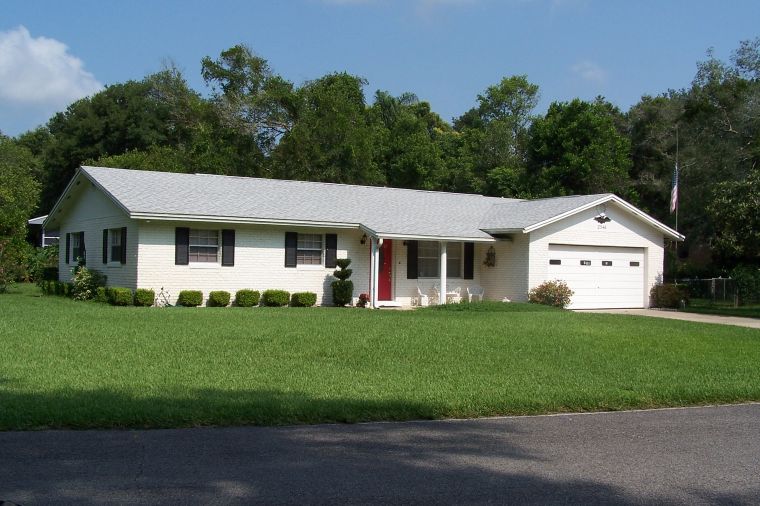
454, 296
422, 299
475, 291
434, 295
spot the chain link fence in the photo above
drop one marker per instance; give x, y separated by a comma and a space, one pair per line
712, 291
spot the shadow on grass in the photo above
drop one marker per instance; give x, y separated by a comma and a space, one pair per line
105, 408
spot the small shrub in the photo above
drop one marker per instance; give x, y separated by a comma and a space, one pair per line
247, 298
85, 283
120, 296
343, 288
144, 297
190, 298
275, 298
668, 295
68, 289
303, 299
551, 293
219, 298
363, 300
101, 294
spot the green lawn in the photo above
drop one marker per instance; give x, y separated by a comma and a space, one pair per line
70, 364
725, 309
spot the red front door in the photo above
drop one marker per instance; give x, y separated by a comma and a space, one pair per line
385, 269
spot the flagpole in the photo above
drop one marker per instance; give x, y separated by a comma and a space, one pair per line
679, 177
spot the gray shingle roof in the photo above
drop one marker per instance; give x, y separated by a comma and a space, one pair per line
386, 211
516, 215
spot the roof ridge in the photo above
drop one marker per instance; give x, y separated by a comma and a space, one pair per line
276, 180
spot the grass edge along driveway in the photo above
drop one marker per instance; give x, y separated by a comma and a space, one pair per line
66, 364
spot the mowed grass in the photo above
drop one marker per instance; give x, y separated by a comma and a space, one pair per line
79, 365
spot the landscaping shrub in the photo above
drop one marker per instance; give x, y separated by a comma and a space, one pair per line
343, 288
275, 298
247, 298
747, 283
101, 294
190, 298
144, 297
303, 299
668, 295
551, 293
85, 283
219, 298
120, 296
68, 289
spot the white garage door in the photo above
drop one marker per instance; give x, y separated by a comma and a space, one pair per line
601, 277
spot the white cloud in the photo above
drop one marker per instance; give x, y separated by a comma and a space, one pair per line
589, 71
38, 71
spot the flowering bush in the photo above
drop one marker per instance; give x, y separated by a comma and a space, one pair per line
363, 300
85, 283
551, 293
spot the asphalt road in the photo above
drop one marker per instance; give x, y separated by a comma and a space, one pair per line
680, 456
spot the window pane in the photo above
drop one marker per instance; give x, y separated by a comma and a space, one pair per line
309, 249
427, 259
454, 260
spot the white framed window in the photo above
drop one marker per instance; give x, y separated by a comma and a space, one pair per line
454, 260
114, 245
203, 246
309, 249
429, 259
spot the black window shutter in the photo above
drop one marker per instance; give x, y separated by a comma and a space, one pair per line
228, 248
82, 248
105, 245
331, 249
291, 242
68, 247
469, 260
123, 253
411, 259
181, 246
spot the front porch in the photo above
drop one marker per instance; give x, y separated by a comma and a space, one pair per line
399, 267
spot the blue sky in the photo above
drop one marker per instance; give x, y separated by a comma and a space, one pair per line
445, 51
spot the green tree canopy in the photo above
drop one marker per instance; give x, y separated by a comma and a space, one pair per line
577, 148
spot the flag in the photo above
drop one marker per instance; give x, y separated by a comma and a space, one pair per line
674, 191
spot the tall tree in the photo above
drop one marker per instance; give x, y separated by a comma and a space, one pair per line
331, 138
577, 148
496, 134
19, 192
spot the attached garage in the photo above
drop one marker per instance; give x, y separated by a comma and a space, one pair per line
600, 276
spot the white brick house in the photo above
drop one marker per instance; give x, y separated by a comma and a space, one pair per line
158, 230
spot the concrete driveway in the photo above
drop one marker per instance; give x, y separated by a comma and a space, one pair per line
677, 315
677, 456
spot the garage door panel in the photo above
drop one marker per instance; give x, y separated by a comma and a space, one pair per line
619, 285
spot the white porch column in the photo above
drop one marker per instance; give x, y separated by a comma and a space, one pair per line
442, 270
375, 269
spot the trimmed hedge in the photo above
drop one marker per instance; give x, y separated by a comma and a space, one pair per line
247, 298
669, 295
275, 298
190, 298
101, 294
120, 296
144, 297
219, 298
303, 299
